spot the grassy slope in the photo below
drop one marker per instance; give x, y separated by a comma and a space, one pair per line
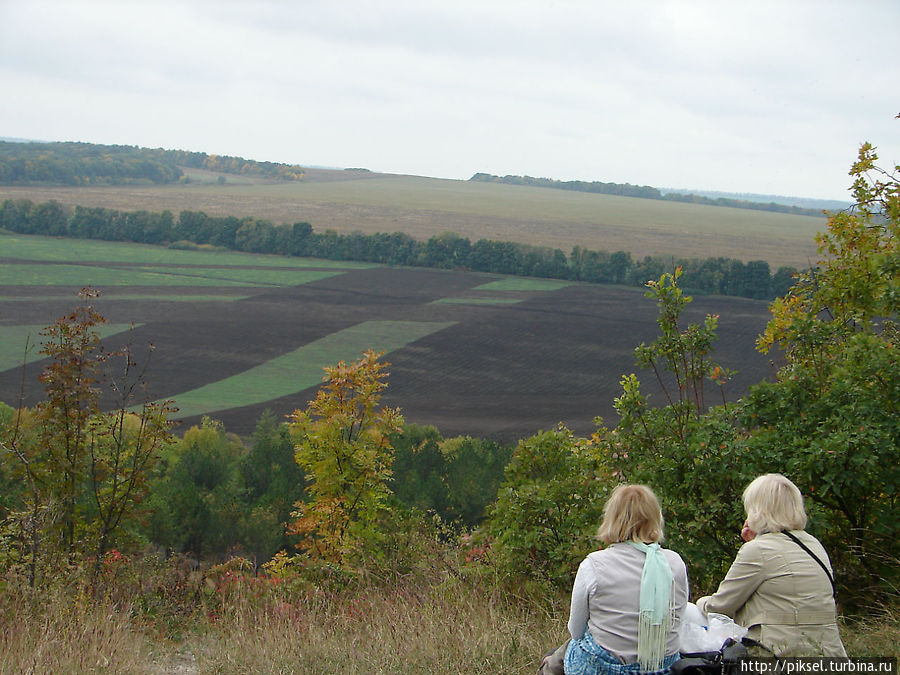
424, 207
454, 627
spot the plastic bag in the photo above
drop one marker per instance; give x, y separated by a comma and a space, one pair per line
700, 633
722, 627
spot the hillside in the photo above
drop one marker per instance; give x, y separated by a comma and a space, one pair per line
802, 202
359, 200
648, 192
423, 207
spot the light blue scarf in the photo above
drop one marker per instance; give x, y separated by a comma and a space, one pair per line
657, 594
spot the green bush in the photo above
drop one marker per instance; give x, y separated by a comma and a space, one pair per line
693, 456
549, 507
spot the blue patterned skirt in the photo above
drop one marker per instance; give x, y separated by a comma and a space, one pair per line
586, 657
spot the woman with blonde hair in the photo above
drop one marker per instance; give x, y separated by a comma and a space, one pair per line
628, 599
780, 585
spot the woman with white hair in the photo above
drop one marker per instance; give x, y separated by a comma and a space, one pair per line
628, 599
780, 585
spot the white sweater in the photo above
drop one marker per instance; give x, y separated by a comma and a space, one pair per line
606, 594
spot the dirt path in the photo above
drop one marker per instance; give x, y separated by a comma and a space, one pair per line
181, 662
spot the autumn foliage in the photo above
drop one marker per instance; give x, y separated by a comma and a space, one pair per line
343, 443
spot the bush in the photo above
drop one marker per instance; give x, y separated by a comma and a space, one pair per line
548, 508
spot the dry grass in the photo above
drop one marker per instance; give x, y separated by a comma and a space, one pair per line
876, 633
55, 633
456, 625
424, 207
450, 628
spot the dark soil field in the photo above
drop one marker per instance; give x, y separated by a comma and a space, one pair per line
503, 369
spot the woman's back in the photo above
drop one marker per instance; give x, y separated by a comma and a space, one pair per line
613, 579
782, 595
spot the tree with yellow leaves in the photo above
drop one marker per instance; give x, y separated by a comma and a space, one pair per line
832, 419
343, 443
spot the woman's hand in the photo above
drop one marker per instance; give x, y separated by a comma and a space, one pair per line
746, 533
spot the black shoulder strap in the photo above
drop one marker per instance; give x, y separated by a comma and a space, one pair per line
813, 555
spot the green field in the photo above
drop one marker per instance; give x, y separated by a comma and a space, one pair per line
22, 344
480, 301
50, 261
55, 249
523, 284
508, 285
90, 275
302, 368
471, 353
424, 207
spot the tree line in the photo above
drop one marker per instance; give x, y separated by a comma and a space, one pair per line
72, 163
644, 192
717, 276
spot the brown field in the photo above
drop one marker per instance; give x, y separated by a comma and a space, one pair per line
347, 201
502, 370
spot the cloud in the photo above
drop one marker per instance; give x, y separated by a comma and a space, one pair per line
764, 97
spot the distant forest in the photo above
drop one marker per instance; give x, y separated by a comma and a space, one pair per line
195, 229
90, 164
644, 192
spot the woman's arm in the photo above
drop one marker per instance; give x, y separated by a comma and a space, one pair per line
581, 589
739, 584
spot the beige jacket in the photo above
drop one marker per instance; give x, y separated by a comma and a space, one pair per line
782, 595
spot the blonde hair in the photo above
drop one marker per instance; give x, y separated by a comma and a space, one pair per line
632, 513
773, 503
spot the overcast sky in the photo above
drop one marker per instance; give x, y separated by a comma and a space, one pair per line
760, 96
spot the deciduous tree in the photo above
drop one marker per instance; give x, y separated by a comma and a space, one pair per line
832, 416
343, 443
691, 453
84, 469
73, 398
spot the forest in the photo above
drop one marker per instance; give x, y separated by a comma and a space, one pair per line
90, 164
719, 276
450, 554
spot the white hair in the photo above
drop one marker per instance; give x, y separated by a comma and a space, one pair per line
773, 503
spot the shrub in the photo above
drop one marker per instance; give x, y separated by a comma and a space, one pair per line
548, 508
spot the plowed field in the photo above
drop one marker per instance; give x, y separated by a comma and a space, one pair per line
468, 355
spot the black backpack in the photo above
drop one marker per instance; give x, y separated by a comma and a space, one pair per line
725, 661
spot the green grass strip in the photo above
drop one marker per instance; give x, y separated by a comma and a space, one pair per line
55, 249
249, 276
152, 297
14, 338
85, 275
52, 274
301, 368
479, 301
524, 284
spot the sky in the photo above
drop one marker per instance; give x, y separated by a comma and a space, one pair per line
768, 96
